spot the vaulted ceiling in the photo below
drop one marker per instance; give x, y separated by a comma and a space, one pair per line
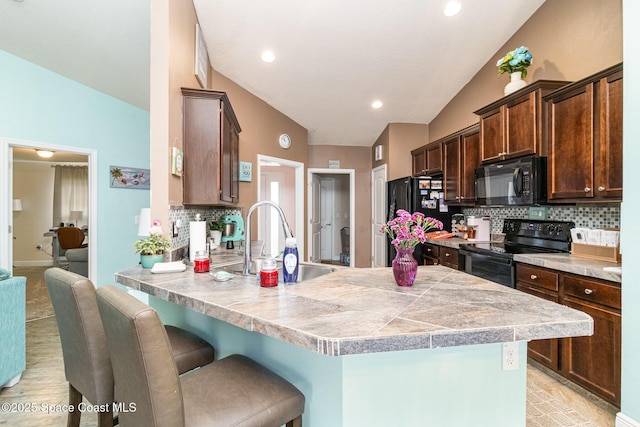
333, 57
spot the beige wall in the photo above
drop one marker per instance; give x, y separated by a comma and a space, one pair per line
569, 40
33, 184
261, 126
397, 140
173, 49
357, 158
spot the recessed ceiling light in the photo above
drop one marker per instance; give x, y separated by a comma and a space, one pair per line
452, 8
268, 56
376, 104
44, 153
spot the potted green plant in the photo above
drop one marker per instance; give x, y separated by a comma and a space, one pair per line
151, 249
215, 231
515, 63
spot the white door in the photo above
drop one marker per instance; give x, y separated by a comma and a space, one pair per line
379, 213
314, 218
326, 218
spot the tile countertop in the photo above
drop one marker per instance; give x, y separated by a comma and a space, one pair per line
362, 310
561, 262
571, 264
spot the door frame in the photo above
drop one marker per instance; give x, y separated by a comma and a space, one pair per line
352, 206
381, 168
299, 192
6, 195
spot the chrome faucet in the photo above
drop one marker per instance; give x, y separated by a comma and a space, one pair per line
247, 236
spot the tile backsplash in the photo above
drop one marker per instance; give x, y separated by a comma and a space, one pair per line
187, 214
585, 215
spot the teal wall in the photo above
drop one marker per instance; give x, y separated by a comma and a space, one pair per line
454, 387
629, 223
38, 105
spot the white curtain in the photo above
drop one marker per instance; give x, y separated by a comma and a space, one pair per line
70, 193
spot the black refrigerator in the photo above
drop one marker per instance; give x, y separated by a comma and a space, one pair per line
417, 195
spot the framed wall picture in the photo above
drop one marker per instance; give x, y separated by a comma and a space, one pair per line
127, 177
245, 171
202, 58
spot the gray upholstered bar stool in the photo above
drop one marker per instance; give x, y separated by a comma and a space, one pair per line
87, 364
234, 391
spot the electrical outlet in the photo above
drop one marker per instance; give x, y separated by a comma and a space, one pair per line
510, 357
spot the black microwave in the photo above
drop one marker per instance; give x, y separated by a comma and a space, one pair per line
520, 182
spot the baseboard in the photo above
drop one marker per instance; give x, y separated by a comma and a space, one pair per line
624, 421
37, 263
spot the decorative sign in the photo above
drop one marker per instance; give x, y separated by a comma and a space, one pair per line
334, 164
378, 153
133, 178
177, 158
202, 58
245, 171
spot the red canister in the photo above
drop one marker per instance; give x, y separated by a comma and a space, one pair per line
269, 273
201, 262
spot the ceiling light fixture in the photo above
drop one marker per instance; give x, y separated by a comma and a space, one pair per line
45, 154
268, 56
452, 8
376, 104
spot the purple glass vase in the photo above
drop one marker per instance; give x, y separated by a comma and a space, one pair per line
404, 266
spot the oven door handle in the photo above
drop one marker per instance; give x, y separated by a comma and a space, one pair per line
517, 181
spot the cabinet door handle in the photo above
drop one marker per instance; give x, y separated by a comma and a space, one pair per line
587, 189
601, 188
447, 254
588, 291
534, 277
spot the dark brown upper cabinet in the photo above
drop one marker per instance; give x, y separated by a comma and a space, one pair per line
513, 125
584, 125
211, 146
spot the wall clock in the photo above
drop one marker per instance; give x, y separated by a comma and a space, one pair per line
285, 141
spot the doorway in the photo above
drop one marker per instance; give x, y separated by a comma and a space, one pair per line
12, 151
331, 211
280, 181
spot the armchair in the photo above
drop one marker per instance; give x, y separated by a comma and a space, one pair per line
70, 240
12, 329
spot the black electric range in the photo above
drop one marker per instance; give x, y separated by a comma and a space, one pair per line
494, 261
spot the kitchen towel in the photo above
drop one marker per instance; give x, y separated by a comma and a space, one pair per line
197, 238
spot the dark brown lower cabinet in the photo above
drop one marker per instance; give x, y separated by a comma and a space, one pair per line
449, 257
431, 253
592, 362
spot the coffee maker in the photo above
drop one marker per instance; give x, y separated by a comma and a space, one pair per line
233, 230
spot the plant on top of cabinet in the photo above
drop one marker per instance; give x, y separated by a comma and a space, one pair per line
584, 125
512, 126
211, 145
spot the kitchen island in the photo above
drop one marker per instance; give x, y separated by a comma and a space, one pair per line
367, 352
